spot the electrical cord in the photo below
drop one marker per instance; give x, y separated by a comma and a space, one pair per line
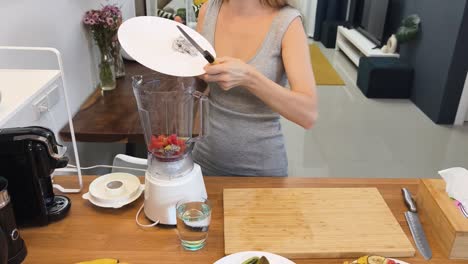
140, 224
73, 167
105, 166
63, 151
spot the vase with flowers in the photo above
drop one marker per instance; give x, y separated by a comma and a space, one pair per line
118, 59
103, 25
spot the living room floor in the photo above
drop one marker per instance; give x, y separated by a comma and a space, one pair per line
368, 138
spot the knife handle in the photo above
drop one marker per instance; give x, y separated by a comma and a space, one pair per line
208, 57
409, 200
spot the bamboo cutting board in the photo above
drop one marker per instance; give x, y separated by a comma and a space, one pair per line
312, 223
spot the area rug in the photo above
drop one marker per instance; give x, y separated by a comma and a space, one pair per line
323, 71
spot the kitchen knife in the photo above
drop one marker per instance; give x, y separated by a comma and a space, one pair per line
415, 225
206, 54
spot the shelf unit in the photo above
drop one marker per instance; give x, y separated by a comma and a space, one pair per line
20, 89
355, 45
27, 93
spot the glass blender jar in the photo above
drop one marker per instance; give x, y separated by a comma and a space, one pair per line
170, 109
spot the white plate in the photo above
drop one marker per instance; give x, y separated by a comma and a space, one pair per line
240, 257
149, 40
399, 261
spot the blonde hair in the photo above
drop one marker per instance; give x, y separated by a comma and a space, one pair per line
277, 3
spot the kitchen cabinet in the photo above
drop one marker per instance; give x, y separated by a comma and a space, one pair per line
29, 97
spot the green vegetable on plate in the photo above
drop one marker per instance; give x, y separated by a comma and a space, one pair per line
256, 260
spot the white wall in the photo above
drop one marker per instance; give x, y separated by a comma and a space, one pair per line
308, 9
53, 23
57, 23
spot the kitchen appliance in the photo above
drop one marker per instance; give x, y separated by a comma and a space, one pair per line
28, 157
415, 226
3, 247
12, 247
312, 223
167, 106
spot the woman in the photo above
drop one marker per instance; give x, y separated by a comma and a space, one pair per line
258, 43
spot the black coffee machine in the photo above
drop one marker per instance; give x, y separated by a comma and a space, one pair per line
12, 247
28, 157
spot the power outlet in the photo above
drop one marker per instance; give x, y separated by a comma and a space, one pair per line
53, 97
40, 106
46, 102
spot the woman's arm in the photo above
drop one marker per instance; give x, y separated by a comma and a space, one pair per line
299, 105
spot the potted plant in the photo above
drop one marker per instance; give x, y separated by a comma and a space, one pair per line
408, 30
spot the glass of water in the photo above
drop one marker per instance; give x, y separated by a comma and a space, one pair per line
193, 221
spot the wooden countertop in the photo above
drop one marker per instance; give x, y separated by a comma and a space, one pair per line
89, 232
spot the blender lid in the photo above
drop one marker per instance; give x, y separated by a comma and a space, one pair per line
114, 190
157, 44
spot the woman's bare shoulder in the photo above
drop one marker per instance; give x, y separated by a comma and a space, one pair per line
294, 33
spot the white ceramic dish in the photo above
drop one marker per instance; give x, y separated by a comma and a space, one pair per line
149, 40
399, 261
240, 257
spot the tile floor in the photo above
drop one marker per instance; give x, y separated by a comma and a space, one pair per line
360, 137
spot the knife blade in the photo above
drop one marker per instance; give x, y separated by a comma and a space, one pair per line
206, 54
415, 226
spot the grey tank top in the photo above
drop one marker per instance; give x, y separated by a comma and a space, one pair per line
245, 137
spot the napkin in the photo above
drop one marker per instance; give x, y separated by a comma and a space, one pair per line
456, 180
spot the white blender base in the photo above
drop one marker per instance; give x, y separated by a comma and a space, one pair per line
161, 196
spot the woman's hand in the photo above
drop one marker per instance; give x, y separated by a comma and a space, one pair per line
228, 73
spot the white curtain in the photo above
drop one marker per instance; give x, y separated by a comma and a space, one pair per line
308, 9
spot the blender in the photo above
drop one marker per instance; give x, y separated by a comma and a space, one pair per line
170, 108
